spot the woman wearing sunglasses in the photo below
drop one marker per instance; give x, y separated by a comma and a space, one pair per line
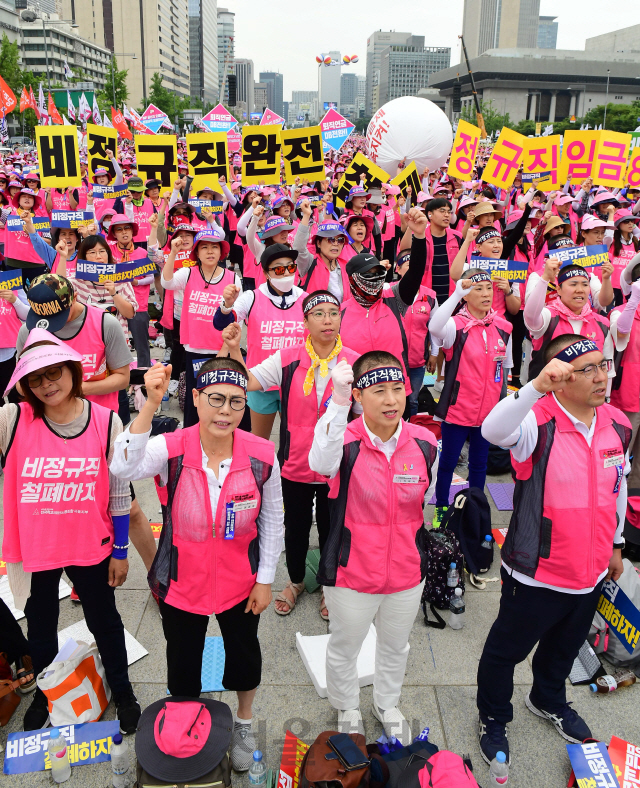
273, 314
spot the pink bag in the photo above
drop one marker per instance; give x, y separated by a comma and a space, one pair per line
446, 770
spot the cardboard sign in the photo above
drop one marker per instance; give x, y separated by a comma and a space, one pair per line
610, 166
374, 177
271, 118
621, 614
409, 177
207, 159
505, 159
464, 150
586, 256
153, 118
302, 154
157, 158
71, 219
15, 224
592, 765
99, 140
625, 758
336, 129
633, 170
58, 156
219, 119
579, 150
512, 270
542, 159
260, 155
234, 141
10, 280
109, 192
293, 752
206, 206
114, 272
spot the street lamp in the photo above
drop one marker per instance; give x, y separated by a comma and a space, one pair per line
132, 55
30, 16
606, 101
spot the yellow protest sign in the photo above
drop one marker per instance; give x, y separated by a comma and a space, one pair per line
302, 154
610, 167
157, 157
261, 155
99, 140
579, 150
505, 159
58, 156
463, 151
409, 179
374, 177
207, 160
541, 161
633, 170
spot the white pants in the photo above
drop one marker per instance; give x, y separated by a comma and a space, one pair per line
350, 616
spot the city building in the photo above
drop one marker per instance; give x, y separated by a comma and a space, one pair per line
226, 50
405, 68
375, 44
304, 106
625, 40
329, 83
547, 32
259, 96
544, 85
362, 95
349, 94
285, 110
9, 22
203, 49
499, 24
273, 81
244, 85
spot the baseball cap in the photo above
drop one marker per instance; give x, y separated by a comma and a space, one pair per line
277, 250
50, 299
361, 263
135, 184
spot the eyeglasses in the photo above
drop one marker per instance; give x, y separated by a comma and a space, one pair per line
444, 211
280, 270
338, 239
590, 370
334, 314
53, 373
218, 400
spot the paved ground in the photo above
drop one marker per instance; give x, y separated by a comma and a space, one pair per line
439, 689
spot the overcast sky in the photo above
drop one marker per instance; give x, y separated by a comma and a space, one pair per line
285, 35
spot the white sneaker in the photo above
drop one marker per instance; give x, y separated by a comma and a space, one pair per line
438, 386
243, 743
350, 721
394, 723
173, 387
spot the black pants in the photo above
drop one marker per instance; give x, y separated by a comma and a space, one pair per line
99, 605
517, 337
12, 641
177, 351
185, 634
559, 623
298, 513
6, 371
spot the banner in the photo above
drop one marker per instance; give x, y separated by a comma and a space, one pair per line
25, 101
578, 155
234, 141
99, 140
153, 118
26, 751
592, 765
611, 159
10, 280
206, 206
464, 150
512, 270
621, 614
15, 223
374, 177
109, 192
541, 161
336, 129
157, 158
58, 156
71, 219
505, 159
625, 758
260, 155
219, 119
120, 124
586, 256
633, 170
409, 177
53, 111
207, 159
114, 272
271, 118
302, 154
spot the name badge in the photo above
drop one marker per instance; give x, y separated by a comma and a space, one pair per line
230, 521
241, 506
499, 358
612, 457
498, 376
405, 478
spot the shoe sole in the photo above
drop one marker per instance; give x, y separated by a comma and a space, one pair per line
25, 689
543, 716
378, 717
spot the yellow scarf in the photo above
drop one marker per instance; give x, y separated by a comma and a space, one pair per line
323, 363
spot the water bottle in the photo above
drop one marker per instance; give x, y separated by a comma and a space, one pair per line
456, 610
453, 578
59, 755
164, 405
258, 770
610, 683
120, 762
487, 542
499, 770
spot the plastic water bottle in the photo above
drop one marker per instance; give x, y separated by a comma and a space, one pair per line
499, 770
453, 578
120, 762
258, 770
164, 405
456, 610
59, 755
487, 542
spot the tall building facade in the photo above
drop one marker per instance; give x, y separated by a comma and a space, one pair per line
405, 69
244, 84
349, 94
500, 24
376, 42
273, 81
260, 97
547, 32
226, 50
203, 49
329, 89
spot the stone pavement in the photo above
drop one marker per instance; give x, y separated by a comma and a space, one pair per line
439, 689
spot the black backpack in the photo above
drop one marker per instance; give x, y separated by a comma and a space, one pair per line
441, 548
469, 518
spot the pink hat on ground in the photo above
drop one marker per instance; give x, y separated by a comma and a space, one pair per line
562, 199
591, 222
42, 355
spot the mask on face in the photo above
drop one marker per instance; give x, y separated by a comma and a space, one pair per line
106, 224
367, 288
284, 283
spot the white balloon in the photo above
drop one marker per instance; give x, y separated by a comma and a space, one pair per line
410, 128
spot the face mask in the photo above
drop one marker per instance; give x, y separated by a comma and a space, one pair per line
284, 283
106, 224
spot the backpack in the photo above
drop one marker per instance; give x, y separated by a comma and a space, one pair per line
440, 548
447, 770
316, 771
218, 777
608, 643
469, 518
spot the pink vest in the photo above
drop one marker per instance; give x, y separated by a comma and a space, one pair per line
232, 218
373, 545
317, 277
182, 260
416, 327
71, 265
65, 483
270, 328
625, 392
475, 379
60, 201
142, 292
82, 196
196, 568
142, 214
198, 308
390, 228
251, 268
627, 253
89, 343
300, 413
10, 324
564, 517
18, 247
379, 328
453, 243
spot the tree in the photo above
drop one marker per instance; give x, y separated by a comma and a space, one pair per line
9, 68
361, 125
105, 97
493, 120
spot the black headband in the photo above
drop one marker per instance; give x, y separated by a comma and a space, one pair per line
379, 375
572, 352
217, 376
321, 298
485, 235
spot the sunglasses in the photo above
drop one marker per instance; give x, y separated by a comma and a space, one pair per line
52, 374
280, 270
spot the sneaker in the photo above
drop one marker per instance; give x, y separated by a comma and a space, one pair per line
350, 721
438, 386
492, 736
74, 595
394, 723
438, 514
243, 744
167, 356
128, 711
173, 387
567, 722
37, 715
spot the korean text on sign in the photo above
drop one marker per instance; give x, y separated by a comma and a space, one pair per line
302, 154
157, 158
207, 159
100, 139
505, 159
58, 156
260, 155
463, 152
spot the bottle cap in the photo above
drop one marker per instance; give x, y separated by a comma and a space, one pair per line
501, 757
54, 733
458, 592
117, 739
257, 755
593, 687
453, 565
487, 538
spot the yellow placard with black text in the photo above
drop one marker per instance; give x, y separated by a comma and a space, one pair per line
463, 151
157, 157
302, 154
261, 155
409, 182
58, 156
374, 177
505, 159
207, 160
99, 140
541, 158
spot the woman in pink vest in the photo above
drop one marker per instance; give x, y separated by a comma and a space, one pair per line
324, 269
222, 533
549, 230
273, 315
64, 510
358, 228
61, 199
138, 208
624, 247
562, 207
380, 471
203, 285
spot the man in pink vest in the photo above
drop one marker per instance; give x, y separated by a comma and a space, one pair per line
569, 451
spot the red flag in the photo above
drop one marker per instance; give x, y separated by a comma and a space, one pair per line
53, 112
119, 123
25, 101
7, 98
33, 103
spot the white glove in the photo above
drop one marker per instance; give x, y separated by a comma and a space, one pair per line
460, 290
342, 378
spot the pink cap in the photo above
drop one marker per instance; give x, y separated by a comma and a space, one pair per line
591, 222
422, 196
466, 201
562, 199
41, 356
390, 188
604, 197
